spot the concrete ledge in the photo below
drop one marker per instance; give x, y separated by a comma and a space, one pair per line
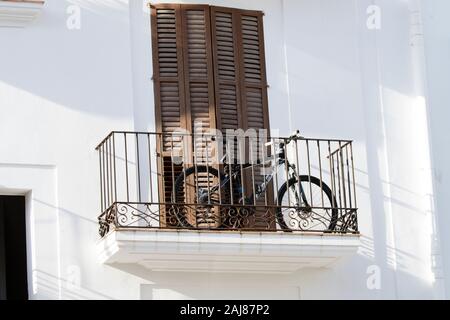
18, 14
255, 252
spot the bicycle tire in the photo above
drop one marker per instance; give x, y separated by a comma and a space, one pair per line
326, 190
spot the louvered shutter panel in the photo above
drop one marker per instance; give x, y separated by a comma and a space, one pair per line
240, 72
226, 72
253, 75
226, 68
184, 91
200, 104
240, 80
253, 84
199, 84
169, 89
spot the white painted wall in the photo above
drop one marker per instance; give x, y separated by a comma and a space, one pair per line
62, 90
437, 49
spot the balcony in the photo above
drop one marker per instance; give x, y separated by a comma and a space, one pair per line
233, 203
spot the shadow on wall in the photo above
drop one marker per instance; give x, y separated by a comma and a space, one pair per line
323, 49
360, 282
108, 8
87, 69
350, 82
75, 252
49, 288
295, 286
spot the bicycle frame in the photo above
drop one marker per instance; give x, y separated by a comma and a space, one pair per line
291, 173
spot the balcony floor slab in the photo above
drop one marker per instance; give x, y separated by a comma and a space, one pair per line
222, 251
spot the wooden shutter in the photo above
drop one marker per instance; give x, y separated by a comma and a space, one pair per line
200, 103
209, 69
253, 84
184, 87
253, 75
170, 104
168, 69
240, 79
226, 68
239, 69
199, 84
240, 72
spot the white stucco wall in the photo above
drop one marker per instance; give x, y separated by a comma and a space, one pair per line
437, 48
62, 91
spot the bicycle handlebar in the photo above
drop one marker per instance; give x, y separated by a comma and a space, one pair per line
295, 136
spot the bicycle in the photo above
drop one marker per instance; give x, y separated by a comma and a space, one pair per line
293, 208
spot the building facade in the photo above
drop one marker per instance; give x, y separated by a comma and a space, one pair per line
371, 72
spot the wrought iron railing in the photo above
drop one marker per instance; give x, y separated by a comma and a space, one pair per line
226, 182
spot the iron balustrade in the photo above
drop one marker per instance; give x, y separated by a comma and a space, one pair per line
231, 182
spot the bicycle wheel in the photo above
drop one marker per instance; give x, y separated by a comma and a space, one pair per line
315, 210
195, 206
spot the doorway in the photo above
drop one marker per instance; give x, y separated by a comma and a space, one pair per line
13, 251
